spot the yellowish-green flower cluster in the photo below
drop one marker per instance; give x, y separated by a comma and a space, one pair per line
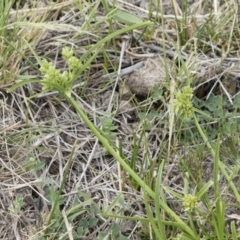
183, 102
73, 62
53, 77
66, 53
190, 202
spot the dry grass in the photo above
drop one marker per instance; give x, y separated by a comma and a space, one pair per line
38, 134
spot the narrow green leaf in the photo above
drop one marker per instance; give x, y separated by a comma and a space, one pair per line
234, 231
157, 205
127, 18
204, 189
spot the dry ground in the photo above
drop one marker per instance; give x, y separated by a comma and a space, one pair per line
38, 134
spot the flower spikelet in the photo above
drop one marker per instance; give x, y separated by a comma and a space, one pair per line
66, 53
183, 102
54, 79
190, 202
74, 63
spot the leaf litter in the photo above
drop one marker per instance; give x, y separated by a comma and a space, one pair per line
44, 129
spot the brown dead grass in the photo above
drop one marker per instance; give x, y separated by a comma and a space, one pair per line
46, 127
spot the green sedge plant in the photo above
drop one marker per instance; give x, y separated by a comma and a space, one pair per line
184, 109
54, 80
62, 82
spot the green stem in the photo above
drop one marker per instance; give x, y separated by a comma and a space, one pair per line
106, 144
205, 139
125, 166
